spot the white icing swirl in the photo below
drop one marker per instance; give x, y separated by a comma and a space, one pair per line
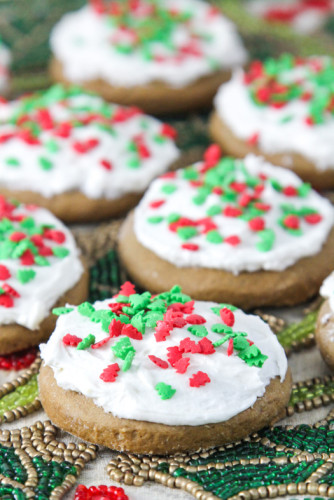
287, 248
234, 385
282, 130
50, 281
82, 42
73, 170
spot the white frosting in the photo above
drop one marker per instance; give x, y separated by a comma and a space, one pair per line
50, 282
286, 250
72, 170
307, 19
82, 41
234, 385
4, 65
239, 112
327, 290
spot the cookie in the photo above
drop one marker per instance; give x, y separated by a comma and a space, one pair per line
324, 333
162, 374
282, 109
40, 267
228, 230
161, 55
4, 68
78, 156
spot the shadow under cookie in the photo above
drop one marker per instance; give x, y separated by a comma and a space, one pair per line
79, 415
247, 290
304, 168
15, 337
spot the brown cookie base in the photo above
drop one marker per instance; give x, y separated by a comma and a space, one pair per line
324, 333
305, 169
16, 337
155, 97
78, 415
74, 206
292, 286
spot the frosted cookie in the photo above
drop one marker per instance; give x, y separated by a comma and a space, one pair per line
40, 267
162, 374
282, 109
80, 157
160, 55
228, 230
324, 333
304, 16
4, 68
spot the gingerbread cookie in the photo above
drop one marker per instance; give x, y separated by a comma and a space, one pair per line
324, 333
240, 231
4, 68
282, 109
78, 156
162, 374
39, 268
161, 55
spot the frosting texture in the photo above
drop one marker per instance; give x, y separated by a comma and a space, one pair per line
236, 215
164, 359
39, 262
327, 290
61, 140
283, 106
133, 43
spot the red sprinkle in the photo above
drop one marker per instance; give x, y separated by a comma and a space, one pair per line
162, 331
230, 211
101, 343
186, 308
71, 340
290, 191
115, 328
245, 199
17, 236
227, 316
206, 346
253, 139
54, 235
232, 240
212, 155
6, 301
313, 218
110, 373
230, 347
195, 319
4, 273
168, 131
291, 221
157, 203
188, 345
106, 164
158, 361
131, 332
181, 365
198, 379
173, 355
256, 224
127, 289
27, 258
10, 290
190, 246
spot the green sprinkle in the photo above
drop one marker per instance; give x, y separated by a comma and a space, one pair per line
60, 252
152, 318
214, 210
133, 162
276, 185
139, 301
25, 275
45, 163
267, 240
52, 146
304, 189
138, 322
186, 232
220, 328
190, 173
173, 218
41, 261
160, 139
128, 361
198, 330
158, 305
252, 356
58, 311
165, 391
168, 188
240, 343
86, 342
155, 219
214, 237
13, 162
86, 309
122, 348
216, 310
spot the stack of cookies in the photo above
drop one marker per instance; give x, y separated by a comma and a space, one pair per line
171, 363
